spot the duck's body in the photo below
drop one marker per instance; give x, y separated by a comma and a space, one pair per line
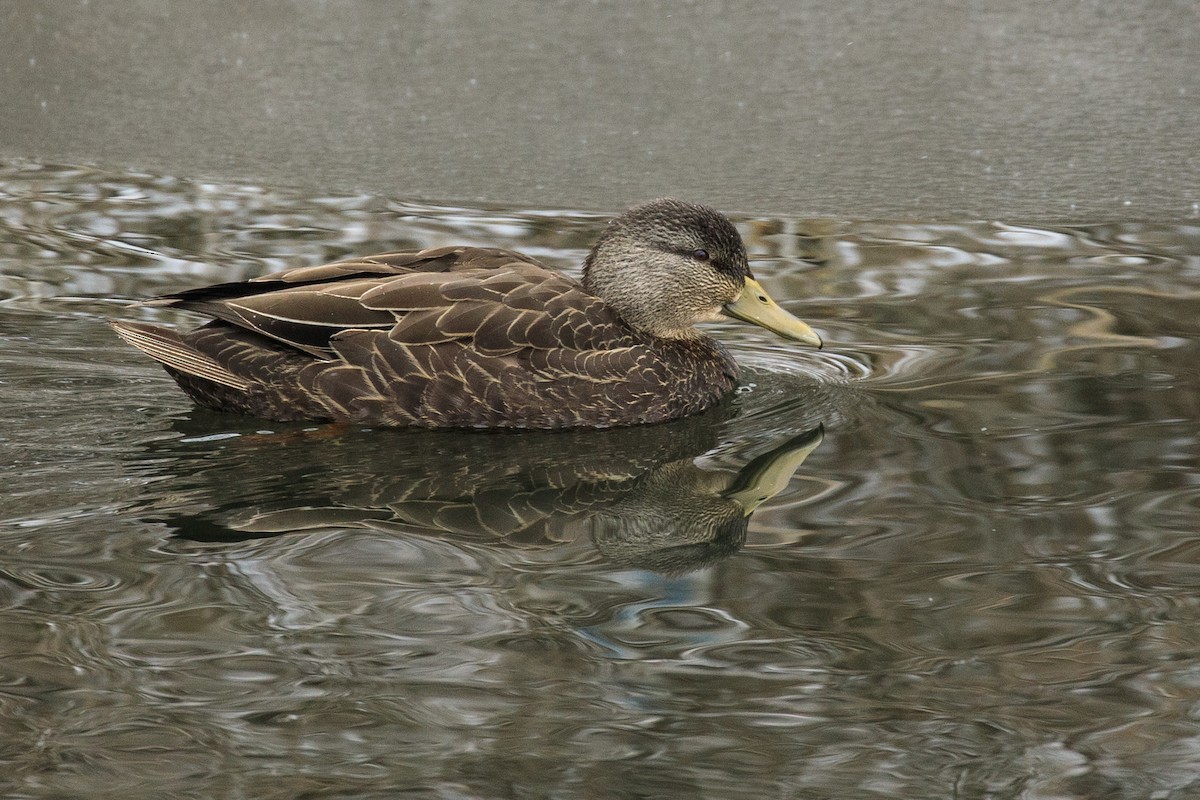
474, 337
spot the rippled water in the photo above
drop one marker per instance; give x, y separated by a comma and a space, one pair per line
982, 582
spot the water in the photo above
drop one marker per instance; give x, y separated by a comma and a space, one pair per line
980, 583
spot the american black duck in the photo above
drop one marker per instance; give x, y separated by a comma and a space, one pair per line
470, 337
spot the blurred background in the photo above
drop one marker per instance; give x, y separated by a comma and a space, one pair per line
1080, 111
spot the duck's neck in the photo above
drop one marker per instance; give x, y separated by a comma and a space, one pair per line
645, 304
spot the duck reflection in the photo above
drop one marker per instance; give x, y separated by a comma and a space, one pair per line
638, 494
680, 517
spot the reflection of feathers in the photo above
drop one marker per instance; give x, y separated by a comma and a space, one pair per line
508, 484
636, 493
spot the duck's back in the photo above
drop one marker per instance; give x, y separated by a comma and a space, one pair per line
452, 337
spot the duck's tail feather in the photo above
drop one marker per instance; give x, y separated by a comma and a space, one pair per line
169, 349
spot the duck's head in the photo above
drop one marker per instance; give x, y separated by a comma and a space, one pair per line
666, 265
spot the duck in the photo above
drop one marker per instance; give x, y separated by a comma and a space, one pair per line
477, 337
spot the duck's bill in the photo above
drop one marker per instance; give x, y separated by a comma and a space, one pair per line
756, 306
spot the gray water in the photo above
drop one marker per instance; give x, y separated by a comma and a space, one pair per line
980, 583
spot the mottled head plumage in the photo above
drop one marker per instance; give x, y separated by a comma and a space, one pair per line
666, 265
675, 226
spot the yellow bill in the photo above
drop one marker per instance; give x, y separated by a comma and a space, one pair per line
756, 306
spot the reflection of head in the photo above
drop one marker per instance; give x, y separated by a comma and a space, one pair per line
676, 555
681, 518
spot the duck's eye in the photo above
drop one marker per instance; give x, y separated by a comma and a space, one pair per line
700, 255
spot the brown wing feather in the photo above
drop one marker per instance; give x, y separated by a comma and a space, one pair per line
304, 307
436, 259
525, 347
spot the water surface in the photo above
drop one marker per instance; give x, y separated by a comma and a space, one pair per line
980, 583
